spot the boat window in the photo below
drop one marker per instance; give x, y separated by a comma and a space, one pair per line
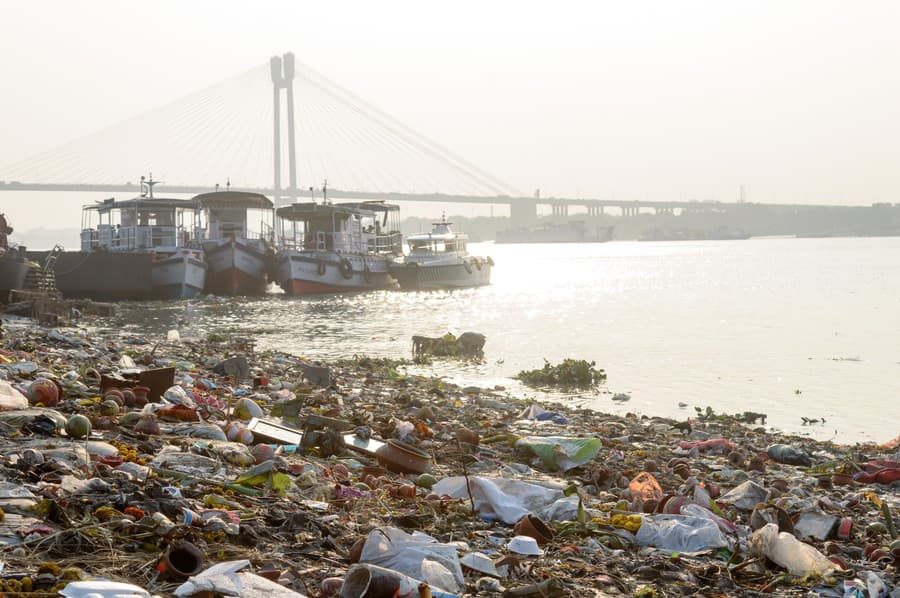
157, 218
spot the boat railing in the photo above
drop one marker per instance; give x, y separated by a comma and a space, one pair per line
349, 242
391, 243
132, 238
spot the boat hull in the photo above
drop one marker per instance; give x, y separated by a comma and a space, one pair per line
423, 277
235, 267
308, 273
181, 275
125, 276
13, 272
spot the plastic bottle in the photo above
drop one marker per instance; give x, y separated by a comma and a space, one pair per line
789, 552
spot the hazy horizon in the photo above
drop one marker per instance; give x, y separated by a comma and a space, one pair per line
653, 100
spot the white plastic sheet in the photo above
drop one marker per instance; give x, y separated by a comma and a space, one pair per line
229, 579
509, 500
417, 555
680, 533
103, 589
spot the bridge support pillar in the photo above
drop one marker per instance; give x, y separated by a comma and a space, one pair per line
523, 212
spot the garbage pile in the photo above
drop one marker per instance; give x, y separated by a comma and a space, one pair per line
200, 468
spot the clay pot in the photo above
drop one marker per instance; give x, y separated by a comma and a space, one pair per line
147, 425
842, 479
180, 561
736, 459
780, 484
114, 394
141, 397
128, 397
468, 436
401, 457
355, 551
533, 527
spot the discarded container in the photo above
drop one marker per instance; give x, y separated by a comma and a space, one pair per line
532, 526
400, 457
372, 581
524, 545
180, 561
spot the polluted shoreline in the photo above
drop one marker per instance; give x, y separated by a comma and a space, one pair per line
207, 467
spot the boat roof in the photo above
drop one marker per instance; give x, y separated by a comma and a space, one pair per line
304, 211
234, 199
143, 203
440, 232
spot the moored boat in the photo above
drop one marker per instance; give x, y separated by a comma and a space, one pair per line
335, 248
13, 264
440, 260
238, 248
141, 248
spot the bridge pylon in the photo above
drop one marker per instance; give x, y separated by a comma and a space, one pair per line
282, 68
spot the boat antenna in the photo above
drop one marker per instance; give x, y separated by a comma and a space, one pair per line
228, 182
325, 191
147, 186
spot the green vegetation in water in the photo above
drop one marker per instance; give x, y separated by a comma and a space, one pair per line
746, 417
569, 373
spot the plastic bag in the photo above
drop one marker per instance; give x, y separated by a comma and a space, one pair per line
509, 500
560, 453
417, 555
783, 453
789, 552
746, 496
680, 533
10, 398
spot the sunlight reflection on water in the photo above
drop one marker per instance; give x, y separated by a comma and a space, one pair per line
736, 325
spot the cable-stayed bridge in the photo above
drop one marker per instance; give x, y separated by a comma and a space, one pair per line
249, 130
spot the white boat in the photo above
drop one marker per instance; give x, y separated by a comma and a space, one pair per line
163, 230
239, 248
440, 260
335, 248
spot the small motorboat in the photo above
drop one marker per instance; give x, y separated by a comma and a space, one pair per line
440, 260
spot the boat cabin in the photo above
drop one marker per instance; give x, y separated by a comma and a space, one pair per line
237, 214
144, 223
440, 241
369, 227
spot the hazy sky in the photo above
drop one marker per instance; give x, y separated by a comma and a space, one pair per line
798, 101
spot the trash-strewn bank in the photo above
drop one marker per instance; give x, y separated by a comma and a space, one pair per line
355, 478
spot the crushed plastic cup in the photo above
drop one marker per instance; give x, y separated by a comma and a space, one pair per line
524, 545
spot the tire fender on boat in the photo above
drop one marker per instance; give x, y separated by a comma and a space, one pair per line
367, 274
320, 267
346, 268
478, 263
467, 266
490, 260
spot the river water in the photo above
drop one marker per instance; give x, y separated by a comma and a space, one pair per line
788, 327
